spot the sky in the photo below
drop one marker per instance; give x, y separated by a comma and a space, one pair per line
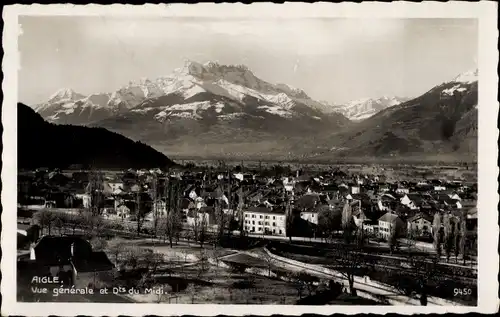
332, 59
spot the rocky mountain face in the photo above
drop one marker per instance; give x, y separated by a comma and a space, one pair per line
201, 104
443, 121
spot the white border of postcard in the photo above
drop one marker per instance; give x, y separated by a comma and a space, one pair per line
484, 11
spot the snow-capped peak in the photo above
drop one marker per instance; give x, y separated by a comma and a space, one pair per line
364, 108
65, 94
467, 77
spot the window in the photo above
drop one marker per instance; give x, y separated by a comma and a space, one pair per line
260, 216
312, 216
274, 230
260, 229
274, 224
253, 222
253, 216
267, 217
260, 223
274, 217
280, 231
246, 215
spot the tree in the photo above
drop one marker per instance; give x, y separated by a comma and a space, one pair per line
269, 259
220, 219
74, 221
411, 239
173, 225
191, 290
306, 281
116, 247
203, 263
98, 244
393, 239
92, 223
60, 222
349, 263
436, 231
329, 222
152, 261
199, 228
347, 222
162, 228
463, 236
448, 235
456, 238
45, 219
416, 279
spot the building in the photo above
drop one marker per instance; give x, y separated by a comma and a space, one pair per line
420, 223
412, 201
72, 260
387, 222
264, 220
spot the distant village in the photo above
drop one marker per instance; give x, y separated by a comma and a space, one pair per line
254, 202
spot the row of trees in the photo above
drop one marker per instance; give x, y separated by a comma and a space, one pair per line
450, 235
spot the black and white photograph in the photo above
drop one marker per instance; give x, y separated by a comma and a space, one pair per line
269, 160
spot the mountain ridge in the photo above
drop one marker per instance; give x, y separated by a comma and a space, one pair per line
43, 144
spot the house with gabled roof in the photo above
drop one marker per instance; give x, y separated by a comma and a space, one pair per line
387, 222
420, 223
72, 260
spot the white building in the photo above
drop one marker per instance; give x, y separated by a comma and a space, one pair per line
264, 220
387, 222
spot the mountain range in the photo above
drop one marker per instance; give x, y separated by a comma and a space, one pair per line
43, 144
442, 123
365, 108
207, 110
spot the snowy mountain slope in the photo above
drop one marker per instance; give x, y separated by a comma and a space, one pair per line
234, 82
362, 109
437, 122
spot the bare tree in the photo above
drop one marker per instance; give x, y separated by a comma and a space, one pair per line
349, 263
203, 263
421, 272
191, 290
116, 247
98, 244
74, 221
269, 259
60, 222
45, 219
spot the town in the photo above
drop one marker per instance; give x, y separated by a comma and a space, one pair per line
252, 234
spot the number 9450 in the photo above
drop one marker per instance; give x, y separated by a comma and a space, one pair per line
462, 291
